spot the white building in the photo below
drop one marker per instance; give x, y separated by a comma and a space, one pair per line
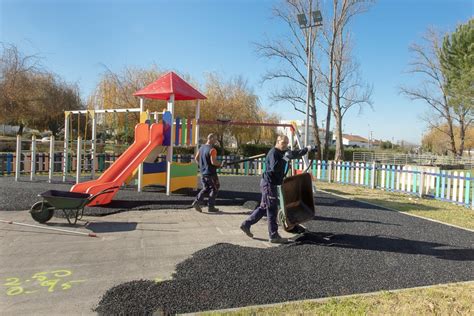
349, 140
300, 124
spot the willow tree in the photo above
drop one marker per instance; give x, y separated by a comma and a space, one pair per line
227, 101
30, 96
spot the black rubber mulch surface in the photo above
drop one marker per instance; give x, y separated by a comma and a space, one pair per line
23, 194
351, 248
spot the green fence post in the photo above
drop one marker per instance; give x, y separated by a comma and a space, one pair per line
467, 192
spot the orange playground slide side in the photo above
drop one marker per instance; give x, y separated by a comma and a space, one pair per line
146, 139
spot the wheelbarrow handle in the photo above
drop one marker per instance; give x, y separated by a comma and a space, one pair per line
108, 190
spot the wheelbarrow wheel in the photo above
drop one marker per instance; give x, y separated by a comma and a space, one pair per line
42, 211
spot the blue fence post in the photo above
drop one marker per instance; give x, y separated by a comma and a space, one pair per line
443, 183
323, 170
9, 163
392, 180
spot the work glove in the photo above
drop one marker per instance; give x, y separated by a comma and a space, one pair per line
312, 148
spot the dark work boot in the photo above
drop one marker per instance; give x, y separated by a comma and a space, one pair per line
212, 209
278, 240
246, 230
197, 206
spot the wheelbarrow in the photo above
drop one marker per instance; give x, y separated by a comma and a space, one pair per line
296, 201
71, 203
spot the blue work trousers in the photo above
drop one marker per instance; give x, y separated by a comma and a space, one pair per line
269, 206
210, 185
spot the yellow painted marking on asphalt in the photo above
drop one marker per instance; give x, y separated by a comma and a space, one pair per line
51, 280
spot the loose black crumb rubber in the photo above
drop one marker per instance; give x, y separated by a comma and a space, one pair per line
349, 248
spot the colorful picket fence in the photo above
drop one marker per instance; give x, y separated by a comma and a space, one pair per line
450, 186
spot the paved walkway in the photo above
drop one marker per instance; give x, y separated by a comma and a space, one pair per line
130, 246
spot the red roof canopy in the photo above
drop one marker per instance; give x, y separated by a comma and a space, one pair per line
167, 85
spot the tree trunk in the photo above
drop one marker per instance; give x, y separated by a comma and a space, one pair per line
327, 138
339, 155
339, 145
20, 129
451, 135
327, 135
462, 134
221, 143
315, 125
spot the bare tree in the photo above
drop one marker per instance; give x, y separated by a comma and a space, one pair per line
349, 90
292, 52
432, 89
340, 79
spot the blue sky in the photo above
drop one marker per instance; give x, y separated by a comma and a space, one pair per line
77, 38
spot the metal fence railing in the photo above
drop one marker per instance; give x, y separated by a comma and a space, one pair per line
412, 159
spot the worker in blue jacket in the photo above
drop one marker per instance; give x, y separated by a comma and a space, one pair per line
206, 158
276, 166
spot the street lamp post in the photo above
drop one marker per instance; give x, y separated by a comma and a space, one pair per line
315, 19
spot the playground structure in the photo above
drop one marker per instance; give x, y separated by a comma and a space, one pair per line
78, 158
150, 138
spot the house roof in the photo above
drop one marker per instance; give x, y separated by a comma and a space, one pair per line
355, 138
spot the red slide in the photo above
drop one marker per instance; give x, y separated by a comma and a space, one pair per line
146, 139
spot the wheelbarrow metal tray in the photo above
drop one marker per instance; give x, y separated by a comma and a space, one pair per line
297, 198
66, 199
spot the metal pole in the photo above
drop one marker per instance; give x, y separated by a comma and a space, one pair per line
78, 160
49, 228
308, 83
140, 167
94, 143
169, 156
66, 141
198, 114
18, 157
51, 158
33, 157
